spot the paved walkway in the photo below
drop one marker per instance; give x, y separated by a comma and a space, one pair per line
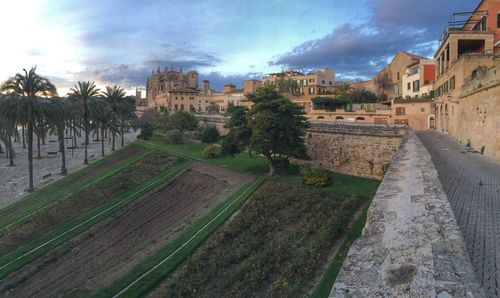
472, 184
14, 180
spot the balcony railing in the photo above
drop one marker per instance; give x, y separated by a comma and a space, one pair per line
465, 21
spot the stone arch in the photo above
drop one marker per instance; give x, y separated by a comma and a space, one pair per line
320, 118
339, 118
431, 122
360, 119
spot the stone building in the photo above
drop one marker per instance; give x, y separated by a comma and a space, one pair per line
308, 85
417, 113
466, 87
163, 88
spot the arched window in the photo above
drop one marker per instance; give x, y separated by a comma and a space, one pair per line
339, 118
358, 119
321, 117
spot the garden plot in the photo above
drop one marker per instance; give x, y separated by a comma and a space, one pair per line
110, 249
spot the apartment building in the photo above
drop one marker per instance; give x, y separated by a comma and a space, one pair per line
305, 86
418, 80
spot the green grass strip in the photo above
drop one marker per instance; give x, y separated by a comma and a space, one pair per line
324, 287
20, 257
144, 276
182, 153
56, 197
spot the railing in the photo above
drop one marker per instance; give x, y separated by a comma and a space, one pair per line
458, 21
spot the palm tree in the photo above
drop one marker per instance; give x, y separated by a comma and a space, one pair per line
59, 116
102, 114
121, 105
81, 93
29, 85
8, 113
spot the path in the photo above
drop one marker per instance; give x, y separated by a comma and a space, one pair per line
472, 184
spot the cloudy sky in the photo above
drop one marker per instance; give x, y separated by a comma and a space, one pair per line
122, 41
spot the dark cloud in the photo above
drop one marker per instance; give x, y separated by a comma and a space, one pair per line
359, 51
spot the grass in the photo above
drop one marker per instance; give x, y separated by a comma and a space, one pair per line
273, 247
252, 165
25, 208
28, 253
151, 271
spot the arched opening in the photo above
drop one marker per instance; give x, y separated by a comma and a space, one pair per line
360, 119
320, 118
432, 122
339, 118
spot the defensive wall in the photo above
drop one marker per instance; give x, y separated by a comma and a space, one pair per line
363, 150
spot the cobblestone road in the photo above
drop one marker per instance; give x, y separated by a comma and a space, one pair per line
472, 184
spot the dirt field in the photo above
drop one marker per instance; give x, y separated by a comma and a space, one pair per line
113, 247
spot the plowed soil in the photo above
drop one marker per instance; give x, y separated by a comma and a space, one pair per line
110, 249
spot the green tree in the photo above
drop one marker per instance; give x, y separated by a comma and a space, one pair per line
81, 93
213, 108
59, 117
344, 87
362, 96
277, 126
182, 121
29, 85
209, 135
121, 105
238, 137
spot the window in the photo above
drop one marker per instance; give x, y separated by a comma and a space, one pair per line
409, 86
323, 82
498, 20
414, 70
397, 75
397, 89
452, 83
182, 107
400, 111
416, 86
311, 90
401, 121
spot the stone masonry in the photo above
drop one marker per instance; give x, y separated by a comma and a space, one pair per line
411, 244
363, 150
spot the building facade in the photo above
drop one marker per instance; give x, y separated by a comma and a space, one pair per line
418, 81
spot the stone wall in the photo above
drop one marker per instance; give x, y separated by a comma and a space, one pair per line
411, 244
363, 150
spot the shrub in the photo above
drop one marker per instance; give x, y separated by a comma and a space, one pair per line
209, 135
315, 175
174, 137
281, 162
146, 131
468, 145
211, 151
482, 149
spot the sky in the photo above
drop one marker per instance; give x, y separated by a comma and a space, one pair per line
120, 42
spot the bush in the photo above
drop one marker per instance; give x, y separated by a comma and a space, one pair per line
174, 137
281, 162
482, 149
211, 151
469, 144
315, 175
146, 131
209, 135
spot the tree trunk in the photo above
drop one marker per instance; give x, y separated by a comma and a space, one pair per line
30, 144
272, 169
64, 171
1, 150
113, 148
121, 128
102, 141
11, 152
43, 136
38, 145
86, 161
24, 139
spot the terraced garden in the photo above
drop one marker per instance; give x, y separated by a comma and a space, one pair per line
124, 226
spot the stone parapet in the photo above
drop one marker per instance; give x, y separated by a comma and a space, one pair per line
411, 244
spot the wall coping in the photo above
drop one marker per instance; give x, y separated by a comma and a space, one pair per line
411, 244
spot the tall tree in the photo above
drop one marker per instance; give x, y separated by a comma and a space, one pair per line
29, 85
238, 137
213, 108
59, 117
102, 114
120, 104
82, 92
277, 126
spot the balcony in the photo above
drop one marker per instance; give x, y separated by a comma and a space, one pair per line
465, 22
